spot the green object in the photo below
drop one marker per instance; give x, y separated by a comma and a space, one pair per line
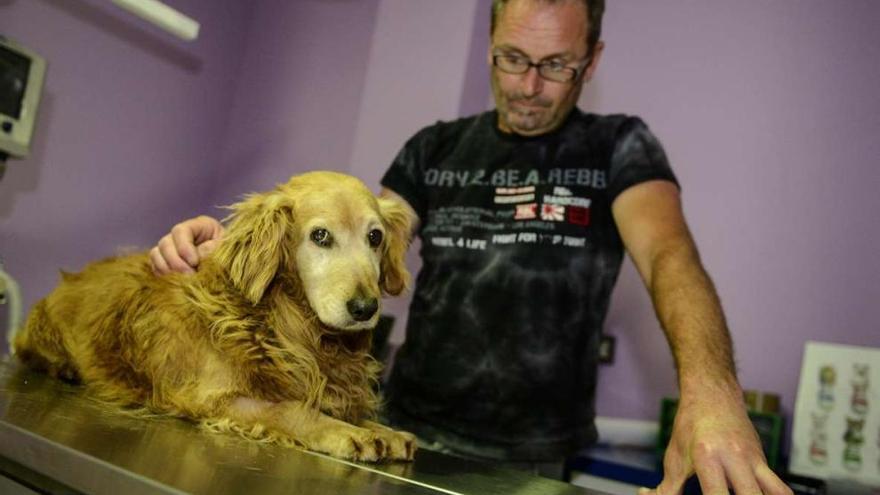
768, 426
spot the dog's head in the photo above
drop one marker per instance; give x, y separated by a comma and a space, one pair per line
345, 245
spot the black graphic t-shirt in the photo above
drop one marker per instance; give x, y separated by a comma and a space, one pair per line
520, 253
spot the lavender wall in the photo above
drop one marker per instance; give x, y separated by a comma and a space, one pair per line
128, 129
768, 111
298, 92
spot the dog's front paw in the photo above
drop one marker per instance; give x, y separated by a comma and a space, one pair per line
401, 444
357, 444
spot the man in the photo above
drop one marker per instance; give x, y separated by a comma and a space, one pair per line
524, 214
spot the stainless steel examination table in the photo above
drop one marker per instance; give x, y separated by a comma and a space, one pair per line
53, 439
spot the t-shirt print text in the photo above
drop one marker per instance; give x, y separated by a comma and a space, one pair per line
514, 207
585, 177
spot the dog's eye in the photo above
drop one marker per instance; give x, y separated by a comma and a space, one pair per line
321, 237
375, 237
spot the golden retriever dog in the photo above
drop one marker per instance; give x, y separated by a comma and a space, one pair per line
269, 339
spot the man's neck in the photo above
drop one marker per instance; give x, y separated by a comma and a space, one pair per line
499, 124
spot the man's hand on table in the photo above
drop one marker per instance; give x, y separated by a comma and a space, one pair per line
713, 438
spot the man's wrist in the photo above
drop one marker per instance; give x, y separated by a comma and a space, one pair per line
702, 386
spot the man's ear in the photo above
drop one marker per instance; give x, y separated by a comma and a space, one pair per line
596, 56
398, 220
255, 243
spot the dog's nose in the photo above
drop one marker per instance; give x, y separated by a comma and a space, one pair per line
362, 308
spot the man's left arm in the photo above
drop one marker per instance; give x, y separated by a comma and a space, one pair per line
712, 435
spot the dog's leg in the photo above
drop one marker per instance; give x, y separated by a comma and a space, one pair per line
297, 423
40, 345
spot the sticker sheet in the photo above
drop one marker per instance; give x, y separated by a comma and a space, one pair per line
836, 429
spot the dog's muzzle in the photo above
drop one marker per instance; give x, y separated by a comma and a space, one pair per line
362, 308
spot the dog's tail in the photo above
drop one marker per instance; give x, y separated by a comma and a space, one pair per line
39, 345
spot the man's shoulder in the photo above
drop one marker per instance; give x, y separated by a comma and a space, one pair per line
606, 122
443, 128
606, 130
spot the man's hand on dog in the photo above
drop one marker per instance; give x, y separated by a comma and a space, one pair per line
183, 248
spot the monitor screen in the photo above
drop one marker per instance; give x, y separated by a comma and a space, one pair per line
22, 73
14, 69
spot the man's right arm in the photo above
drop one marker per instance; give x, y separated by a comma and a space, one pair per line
182, 249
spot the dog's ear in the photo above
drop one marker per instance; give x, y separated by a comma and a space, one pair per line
256, 242
398, 219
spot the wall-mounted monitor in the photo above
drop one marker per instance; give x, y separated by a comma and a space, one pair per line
22, 73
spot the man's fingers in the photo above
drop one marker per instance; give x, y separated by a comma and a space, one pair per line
195, 238
169, 253
207, 248
668, 486
711, 476
183, 249
742, 478
675, 472
767, 484
158, 263
204, 228
770, 483
183, 236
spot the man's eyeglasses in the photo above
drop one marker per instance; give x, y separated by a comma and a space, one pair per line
550, 70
